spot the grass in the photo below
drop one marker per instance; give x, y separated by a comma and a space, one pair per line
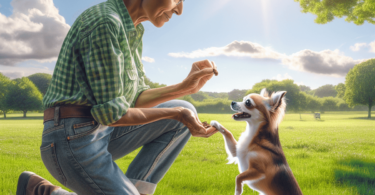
335, 155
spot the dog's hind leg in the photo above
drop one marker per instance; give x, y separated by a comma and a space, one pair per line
250, 174
230, 142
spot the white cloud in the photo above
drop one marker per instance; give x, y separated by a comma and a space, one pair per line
35, 30
148, 59
236, 48
372, 45
280, 77
326, 62
357, 46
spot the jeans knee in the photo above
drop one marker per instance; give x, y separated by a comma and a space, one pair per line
186, 104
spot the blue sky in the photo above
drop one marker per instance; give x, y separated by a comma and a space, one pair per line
288, 43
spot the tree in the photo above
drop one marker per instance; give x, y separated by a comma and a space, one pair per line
325, 91
220, 95
357, 11
360, 85
23, 95
313, 103
41, 81
199, 96
301, 103
340, 89
304, 88
329, 103
236, 94
342, 105
4, 88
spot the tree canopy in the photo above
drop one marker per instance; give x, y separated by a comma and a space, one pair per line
340, 88
357, 11
4, 89
325, 91
360, 85
236, 94
23, 95
41, 81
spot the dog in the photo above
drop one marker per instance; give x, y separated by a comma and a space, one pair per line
258, 152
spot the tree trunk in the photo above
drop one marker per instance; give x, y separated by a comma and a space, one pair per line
5, 115
369, 110
24, 114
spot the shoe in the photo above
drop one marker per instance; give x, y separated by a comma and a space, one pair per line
30, 183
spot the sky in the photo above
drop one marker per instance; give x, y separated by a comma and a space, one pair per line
249, 40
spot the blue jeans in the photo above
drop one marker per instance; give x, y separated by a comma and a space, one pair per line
80, 153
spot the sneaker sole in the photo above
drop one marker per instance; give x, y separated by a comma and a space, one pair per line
22, 182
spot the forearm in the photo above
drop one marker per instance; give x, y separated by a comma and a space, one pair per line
138, 116
153, 97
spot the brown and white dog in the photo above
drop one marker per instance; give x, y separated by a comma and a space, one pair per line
261, 160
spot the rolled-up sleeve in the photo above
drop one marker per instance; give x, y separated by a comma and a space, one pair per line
106, 71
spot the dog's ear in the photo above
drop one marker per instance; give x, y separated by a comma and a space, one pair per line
264, 92
276, 100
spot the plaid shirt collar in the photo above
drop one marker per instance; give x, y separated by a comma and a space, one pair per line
125, 17
124, 14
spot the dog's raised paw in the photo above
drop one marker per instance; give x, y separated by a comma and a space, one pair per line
217, 125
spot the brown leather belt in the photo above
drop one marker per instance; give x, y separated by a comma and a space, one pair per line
68, 111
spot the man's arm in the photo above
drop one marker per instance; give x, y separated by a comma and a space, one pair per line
138, 116
201, 72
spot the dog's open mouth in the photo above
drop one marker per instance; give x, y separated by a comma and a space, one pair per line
241, 115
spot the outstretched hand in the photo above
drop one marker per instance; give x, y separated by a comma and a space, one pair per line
196, 128
200, 73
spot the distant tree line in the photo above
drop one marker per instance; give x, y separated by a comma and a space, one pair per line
23, 94
358, 93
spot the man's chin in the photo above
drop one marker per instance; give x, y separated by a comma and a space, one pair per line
158, 24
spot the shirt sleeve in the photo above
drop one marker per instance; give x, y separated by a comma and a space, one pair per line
106, 71
142, 86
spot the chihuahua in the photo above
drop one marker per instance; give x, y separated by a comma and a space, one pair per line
261, 160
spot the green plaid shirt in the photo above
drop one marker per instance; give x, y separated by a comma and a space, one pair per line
100, 63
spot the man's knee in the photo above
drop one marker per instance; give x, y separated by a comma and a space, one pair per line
186, 104
177, 103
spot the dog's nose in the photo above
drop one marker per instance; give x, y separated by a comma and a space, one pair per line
233, 103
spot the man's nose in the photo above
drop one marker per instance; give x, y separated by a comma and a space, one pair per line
179, 9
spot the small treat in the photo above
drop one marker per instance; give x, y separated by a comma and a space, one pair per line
216, 72
206, 125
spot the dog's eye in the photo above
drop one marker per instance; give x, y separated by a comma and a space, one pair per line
248, 103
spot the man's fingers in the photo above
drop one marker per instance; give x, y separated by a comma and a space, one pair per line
203, 73
215, 68
210, 131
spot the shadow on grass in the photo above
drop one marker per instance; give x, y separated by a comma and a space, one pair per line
21, 118
357, 173
364, 118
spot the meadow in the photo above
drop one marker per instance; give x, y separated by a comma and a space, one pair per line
334, 155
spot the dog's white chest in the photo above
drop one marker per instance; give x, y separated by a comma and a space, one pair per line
243, 153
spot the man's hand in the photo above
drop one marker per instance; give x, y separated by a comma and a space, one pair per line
191, 121
200, 73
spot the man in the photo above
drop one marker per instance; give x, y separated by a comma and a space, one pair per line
99, 108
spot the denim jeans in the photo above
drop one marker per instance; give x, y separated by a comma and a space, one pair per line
80, 153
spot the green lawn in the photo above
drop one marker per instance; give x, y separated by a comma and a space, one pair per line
335, 155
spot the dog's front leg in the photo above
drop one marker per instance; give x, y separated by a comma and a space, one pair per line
230, 142
250, 174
